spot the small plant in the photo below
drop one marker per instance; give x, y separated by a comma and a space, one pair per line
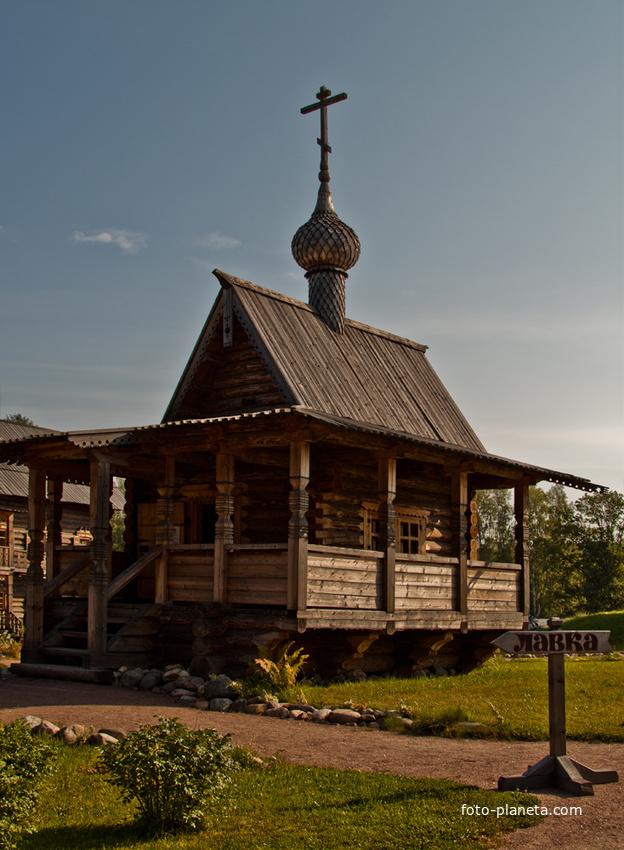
281, 673
24, 760
170, 771
11, 642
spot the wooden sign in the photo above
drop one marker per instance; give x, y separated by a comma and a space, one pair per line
556, 770
545, 643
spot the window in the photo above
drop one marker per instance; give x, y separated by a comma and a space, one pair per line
410, 529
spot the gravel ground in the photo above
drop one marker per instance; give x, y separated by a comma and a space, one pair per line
599, 827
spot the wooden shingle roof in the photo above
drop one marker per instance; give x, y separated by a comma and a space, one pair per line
365, 375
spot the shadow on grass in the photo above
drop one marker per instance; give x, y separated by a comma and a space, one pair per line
87, 837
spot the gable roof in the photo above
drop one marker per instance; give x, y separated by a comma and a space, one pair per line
365, 376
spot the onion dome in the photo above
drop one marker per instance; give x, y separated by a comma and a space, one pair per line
325, 247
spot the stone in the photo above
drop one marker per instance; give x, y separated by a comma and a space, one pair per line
179, 693
45, 728
407, 722
343, 716
202, 704
299, 706
131, 678
297, 714
219, 687
420, 674
168, 687
31, 720
396, 714
470, 726
239, 705
373, 725
67, 735
150, 680
186, 682
256, 708
171, 675
99, 739
320, 714
439, 671
220, 704
281, 711
119, 734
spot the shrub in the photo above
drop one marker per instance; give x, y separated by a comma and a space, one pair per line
279, 674
170, 771
11, 642
24, 759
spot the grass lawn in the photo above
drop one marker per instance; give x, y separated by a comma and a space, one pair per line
282, 807
509, 697
612, 621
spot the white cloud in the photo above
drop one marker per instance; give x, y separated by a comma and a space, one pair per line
217, 241
128, 241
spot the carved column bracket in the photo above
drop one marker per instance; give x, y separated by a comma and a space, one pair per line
100, 510
224, 526
166, 532
54, 536
521, 511
386, 520
298, 503
33, 611
460, 526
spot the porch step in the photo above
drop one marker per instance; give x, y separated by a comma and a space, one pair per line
60, 671
67, 651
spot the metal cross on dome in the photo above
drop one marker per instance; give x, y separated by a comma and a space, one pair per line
325, 100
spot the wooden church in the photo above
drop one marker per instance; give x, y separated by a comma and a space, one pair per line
311, 480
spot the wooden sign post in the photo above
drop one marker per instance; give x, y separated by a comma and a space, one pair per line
556, 770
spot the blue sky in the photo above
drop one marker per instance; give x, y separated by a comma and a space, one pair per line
478, 158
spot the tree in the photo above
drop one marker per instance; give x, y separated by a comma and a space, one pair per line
19, 419
600, 537
495, 523
556, 584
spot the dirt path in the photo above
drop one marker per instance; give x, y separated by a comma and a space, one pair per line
600, 827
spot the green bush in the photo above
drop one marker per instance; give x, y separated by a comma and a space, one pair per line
24, 759
170, 771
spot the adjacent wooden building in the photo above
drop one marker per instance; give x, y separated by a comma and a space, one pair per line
312, 479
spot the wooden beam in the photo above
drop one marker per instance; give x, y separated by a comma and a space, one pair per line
33, 610
298, 502
165, 531
460, 505
521, 511
224, 526
99, 573
386, 521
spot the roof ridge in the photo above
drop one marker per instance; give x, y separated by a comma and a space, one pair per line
228, 280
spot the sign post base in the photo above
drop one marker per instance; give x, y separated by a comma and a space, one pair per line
559, 772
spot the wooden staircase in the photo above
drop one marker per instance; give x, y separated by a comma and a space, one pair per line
132, 635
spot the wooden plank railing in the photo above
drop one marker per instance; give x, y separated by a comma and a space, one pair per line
68, 573
8, 621
133, 571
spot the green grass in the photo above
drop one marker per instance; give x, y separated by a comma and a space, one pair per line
612, 621
509, 697
282, 807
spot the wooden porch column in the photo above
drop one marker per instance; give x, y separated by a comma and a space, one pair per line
165, 530
460, 507
33, 610
224, 526
298, 502
386, 527
54, 536
521, 512
100, 508
166, 533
